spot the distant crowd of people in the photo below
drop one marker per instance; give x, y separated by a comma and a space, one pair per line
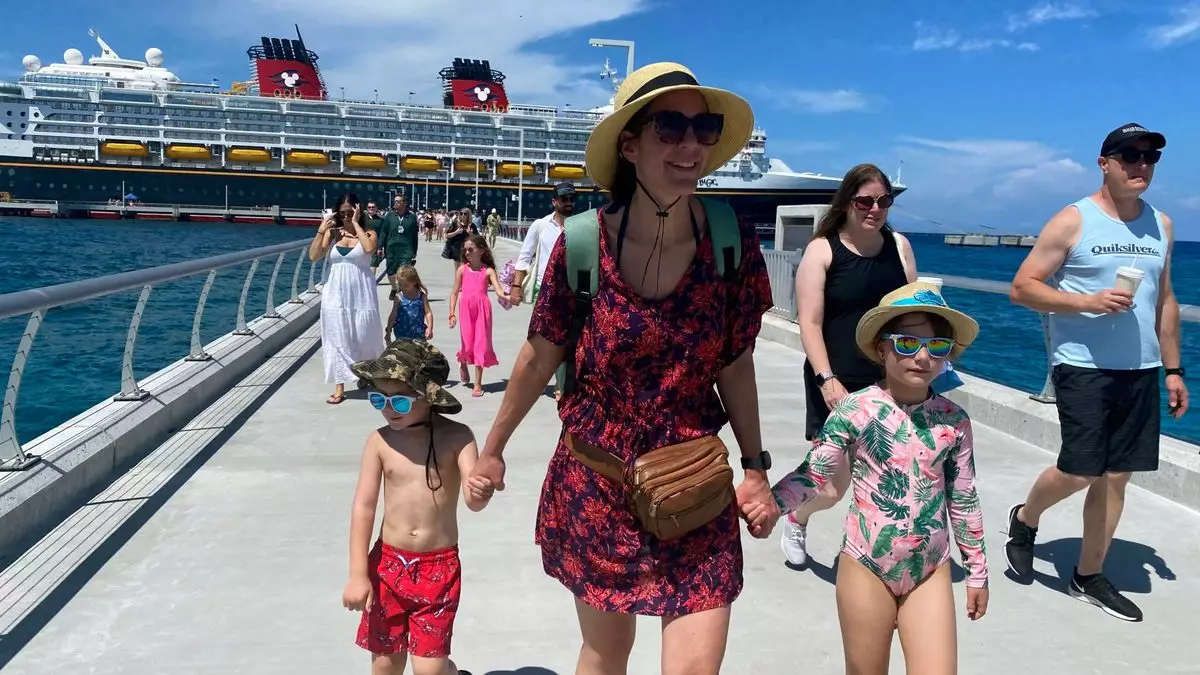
646, 313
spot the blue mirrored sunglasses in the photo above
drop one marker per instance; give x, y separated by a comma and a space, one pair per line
401, 404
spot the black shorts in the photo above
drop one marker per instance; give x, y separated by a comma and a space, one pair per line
1109, 420
816, 411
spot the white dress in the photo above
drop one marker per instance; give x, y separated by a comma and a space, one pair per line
351, 329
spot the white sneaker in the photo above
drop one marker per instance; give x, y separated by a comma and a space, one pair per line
792, 541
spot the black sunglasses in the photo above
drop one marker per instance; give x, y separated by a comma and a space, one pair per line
865, 202
672, 126
1135, 156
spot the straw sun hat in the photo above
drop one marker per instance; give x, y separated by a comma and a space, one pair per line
915, 297
638, 90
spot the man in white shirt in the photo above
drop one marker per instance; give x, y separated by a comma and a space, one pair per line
541, 237
543, 234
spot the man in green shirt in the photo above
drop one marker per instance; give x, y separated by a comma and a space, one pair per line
397, 240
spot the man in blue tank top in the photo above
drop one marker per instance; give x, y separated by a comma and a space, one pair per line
1101, 270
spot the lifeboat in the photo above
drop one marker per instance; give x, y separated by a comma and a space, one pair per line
249, 155
512, 169
197, 153
307, 157
567, 172
420, 164
124, 149
361, 161
469, 165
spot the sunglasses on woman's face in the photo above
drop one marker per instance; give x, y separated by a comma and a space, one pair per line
865, 202
672, 126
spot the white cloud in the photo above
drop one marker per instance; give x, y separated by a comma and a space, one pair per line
398, 46
1192, 202
824, 102
1048, 11
1011, 185
1185, 28
931, 38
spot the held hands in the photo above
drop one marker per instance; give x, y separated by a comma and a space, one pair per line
977, 602
479, 492
358, 596
514, 295
489, 467
1110, 301
757, 505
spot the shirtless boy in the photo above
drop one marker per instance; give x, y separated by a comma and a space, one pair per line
408, 585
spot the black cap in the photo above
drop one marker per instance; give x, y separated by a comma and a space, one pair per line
1127, 134
564, 189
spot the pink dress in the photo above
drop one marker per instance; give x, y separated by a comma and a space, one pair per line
475, 319
913, 466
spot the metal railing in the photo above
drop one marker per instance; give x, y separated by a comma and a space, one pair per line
781, 267
36, 302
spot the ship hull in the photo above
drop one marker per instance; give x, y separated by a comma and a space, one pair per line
81, 184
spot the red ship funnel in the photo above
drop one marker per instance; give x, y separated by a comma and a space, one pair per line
473, 85
284, 68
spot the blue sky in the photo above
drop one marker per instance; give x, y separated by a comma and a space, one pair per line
997, 109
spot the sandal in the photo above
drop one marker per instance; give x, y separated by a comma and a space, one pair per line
335, 399
477, 393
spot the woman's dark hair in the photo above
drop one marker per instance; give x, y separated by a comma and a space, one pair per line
482, 245
625, 178
351, 199
855, 178
941, 326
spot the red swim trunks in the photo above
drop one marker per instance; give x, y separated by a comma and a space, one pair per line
414, 601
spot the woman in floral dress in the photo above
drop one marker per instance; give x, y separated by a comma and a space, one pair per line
664, 329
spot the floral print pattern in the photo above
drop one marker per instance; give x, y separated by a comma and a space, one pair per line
645, 375
912, 466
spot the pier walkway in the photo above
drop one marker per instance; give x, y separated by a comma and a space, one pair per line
225, 551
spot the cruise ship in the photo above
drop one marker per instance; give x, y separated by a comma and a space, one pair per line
118, 128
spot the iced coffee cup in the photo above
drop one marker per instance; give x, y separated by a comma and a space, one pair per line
936, 281
1128, 279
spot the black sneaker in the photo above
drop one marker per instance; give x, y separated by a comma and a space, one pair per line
1097, 590
1018, 550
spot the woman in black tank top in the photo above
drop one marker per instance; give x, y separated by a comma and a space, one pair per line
853, 260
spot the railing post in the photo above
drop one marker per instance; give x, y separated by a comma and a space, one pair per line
242, 328
129, 385
295, 299
197, 352
1047, 395
271, 313
12, 456
312, 284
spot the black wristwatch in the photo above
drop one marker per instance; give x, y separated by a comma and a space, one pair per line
1174, 371
762, 462
824, 377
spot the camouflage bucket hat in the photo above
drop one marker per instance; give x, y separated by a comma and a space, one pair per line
416, 363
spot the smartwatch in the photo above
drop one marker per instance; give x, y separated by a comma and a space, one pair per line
1174, 371
762, 462
825, 376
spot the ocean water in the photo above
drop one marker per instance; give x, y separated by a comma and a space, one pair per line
76, 360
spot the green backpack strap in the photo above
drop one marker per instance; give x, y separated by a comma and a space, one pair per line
726, 236
582, 231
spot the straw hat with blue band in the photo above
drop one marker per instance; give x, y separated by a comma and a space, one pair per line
918, 296
638, 90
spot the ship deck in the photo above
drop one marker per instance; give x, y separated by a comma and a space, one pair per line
224, 551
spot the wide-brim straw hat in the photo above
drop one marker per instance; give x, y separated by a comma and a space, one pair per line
638, 90
918, 296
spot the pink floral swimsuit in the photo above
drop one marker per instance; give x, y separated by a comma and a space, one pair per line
910, 464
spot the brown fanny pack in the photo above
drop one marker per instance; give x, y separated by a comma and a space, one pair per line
672, 490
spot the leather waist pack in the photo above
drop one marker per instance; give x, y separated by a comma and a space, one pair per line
672, 490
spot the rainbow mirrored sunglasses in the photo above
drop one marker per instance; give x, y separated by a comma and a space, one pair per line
909, 345
401, 404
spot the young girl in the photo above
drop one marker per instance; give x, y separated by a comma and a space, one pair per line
912, 462
472, 280
411, 316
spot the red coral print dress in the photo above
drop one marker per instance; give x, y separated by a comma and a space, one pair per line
646, 371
